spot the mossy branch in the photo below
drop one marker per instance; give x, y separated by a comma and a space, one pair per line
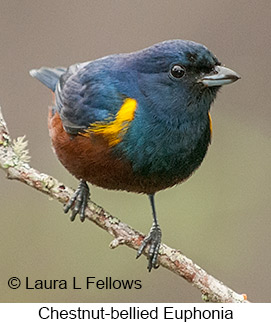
14, 161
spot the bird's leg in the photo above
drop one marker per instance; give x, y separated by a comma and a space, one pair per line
153, 239
79, 201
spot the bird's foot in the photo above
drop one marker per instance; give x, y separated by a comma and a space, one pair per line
79, 201
154, 240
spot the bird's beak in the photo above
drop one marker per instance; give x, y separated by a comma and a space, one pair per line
220, 76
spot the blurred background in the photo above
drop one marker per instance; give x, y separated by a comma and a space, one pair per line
220, 217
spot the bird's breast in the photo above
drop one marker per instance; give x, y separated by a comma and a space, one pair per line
168, 151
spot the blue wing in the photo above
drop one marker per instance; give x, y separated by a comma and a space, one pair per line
86, 94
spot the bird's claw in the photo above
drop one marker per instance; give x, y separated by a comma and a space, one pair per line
78, 202
154, 240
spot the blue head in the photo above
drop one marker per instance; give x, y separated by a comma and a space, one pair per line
168, 76
174, 83
171, 80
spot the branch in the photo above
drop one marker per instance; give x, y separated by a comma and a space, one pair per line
14, 161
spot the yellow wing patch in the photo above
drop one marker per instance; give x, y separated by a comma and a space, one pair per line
211, 124
114, 130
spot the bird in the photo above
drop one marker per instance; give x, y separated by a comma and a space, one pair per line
137, 122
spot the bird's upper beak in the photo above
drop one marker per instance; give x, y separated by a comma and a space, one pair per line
220, 76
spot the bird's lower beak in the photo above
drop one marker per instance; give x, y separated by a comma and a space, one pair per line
220, 76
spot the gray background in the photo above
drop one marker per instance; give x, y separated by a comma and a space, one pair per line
220, 217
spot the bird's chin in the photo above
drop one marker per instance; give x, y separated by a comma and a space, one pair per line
208, 94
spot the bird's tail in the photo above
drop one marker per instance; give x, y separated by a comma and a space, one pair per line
48, 76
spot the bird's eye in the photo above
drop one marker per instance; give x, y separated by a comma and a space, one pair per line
177, 71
